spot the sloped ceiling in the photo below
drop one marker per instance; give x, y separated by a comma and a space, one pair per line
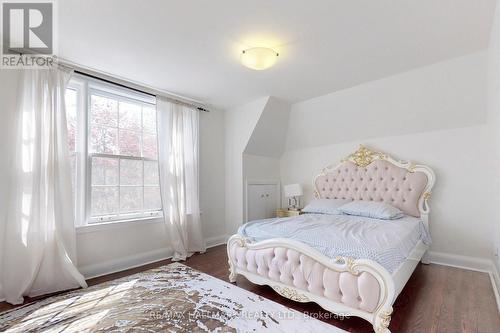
269, 135
192, 47
450, 94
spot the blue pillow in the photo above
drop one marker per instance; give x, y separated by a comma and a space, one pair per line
325, 206
376, 210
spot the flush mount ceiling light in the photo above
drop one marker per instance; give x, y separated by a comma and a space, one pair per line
259, 58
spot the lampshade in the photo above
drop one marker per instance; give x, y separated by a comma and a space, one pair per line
292, 190
259, 58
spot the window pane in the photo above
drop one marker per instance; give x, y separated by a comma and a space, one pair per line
71, 100
149, 146
130, 143
130, 172
152, 198
104, 171
151, 173
104, 111
104, 200
103, 140
130, 199
149, 119
72, 161
121, 135
130, 116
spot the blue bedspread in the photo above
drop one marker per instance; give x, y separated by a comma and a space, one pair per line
388, 242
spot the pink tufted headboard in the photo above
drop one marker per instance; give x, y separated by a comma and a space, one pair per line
373, 176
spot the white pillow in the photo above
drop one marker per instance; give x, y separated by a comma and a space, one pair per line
376, 210
325, 206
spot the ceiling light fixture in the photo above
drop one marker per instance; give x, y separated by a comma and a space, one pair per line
259, 58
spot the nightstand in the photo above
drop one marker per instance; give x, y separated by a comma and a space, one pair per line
287, 213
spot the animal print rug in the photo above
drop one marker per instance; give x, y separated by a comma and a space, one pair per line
172, 298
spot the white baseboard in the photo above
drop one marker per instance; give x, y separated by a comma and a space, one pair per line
136, 260
124, 263
465, 262
470, 263
495, 281
215, 241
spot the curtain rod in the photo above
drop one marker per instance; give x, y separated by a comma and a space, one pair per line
132, 86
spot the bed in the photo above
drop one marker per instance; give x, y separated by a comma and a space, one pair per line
326, 268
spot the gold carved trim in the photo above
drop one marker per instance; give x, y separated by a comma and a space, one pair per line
291, 294
427, 195
242, 242
349, 263
364, 156
385, 320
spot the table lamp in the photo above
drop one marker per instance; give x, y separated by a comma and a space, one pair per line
293, 192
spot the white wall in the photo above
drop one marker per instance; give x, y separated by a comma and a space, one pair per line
434, 115
9, 80
239, 125
8, 96
255, 139
261, 158
103, 250
445, 95
494, 118
120, 246
212, 173
257, 167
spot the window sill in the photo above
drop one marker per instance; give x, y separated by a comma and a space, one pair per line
100, 226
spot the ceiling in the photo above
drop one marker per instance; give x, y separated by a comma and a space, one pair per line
192, 47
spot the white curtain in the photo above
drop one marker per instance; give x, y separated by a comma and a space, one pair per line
179, 184
38, 250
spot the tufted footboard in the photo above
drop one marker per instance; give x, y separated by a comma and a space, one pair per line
343, 286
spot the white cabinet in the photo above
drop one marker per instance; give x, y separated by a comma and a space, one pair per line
262, 200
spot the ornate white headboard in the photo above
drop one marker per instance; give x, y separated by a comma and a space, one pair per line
375, 176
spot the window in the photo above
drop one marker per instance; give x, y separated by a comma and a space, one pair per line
113, 148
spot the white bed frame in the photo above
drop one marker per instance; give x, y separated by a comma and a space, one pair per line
390, 284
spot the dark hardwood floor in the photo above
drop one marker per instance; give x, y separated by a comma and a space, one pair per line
435, 299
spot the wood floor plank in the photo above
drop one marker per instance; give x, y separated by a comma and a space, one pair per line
436, 298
